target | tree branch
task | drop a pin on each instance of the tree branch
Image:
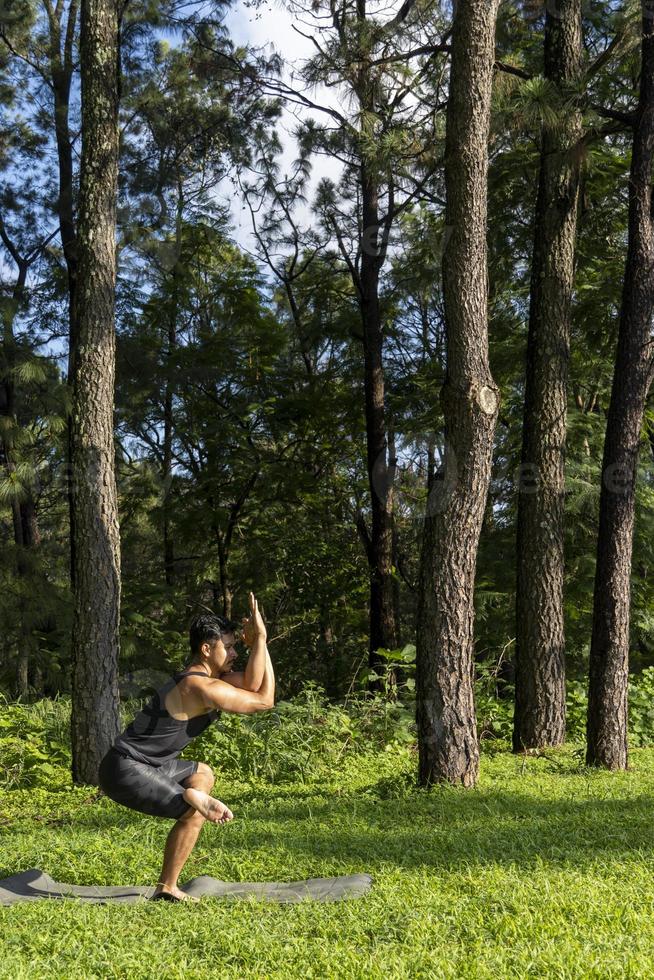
(606, 55)
(627, 118)
(512, 70)
(430, 49)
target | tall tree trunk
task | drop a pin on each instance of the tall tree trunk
(539, 718)
(372, 250)
(62, 66)
(225, 588)
(169, 394)
(447, 736)
(26, 530)
(95, 642)
(26, 544)
(380, 467)
(609, 651)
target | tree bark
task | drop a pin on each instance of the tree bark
(169, 393)
(373, 242)
(609, 651)
(447, 736)
(25, 523)
(539, 718)
(380, 468)
(62, 66)
(95, 642)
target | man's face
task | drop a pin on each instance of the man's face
(223, 653)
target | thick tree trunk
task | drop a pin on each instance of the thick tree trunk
(609, 651)
(447, 736)
(539, 718)
(95, 642)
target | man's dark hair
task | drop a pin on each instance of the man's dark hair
(207, 628)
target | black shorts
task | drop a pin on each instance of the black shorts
(155, 790)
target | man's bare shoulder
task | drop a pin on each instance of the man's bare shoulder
(236, 678)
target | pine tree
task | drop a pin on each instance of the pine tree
(447, 736)
(540, 643)
(95, 640)
(634, 371)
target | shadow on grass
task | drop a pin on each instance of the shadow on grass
(441, 829)
(498, 828)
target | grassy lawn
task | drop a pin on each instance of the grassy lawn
(545, 870)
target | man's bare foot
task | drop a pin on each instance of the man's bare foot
(175, 893)
(210, 808)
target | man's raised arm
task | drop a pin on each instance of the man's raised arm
(267, 689)
(255, 636)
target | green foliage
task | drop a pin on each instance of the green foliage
(264, 481)
(307, 738)
(641, 708)
(34, 744)
(301, 739)
(576, 710)
(494, 700)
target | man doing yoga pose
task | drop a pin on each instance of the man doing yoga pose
(142, 770)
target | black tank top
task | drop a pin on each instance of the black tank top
(154, 736)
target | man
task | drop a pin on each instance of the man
(142, 770)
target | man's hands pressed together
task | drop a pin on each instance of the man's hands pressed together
(254, 626)
(258, 674)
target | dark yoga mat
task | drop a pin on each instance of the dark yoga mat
(28, 886)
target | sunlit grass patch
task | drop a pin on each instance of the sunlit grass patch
(545, 869)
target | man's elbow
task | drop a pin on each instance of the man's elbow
(265, 704)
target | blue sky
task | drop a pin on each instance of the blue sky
(272, 27)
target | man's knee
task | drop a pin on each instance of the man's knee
(206, 772)
(203, 778)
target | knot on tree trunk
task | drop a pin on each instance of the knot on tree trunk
(487, 397)
(479, 394)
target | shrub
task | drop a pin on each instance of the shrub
(34, 744)
(304, 739)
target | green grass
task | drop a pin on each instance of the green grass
(545, 870)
